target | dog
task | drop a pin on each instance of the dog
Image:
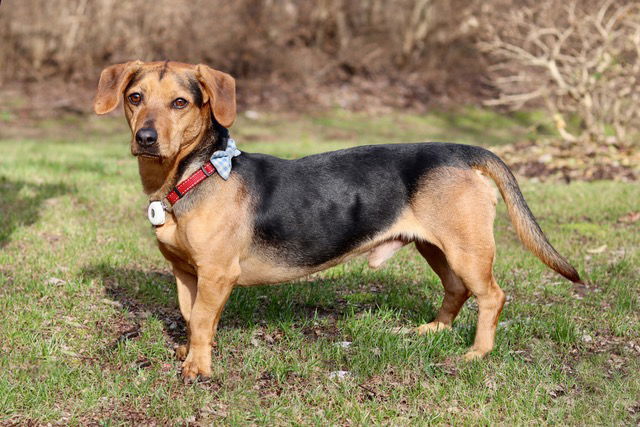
(223, 218)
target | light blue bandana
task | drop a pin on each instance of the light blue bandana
(222, 159)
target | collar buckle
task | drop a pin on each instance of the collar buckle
(204, 169)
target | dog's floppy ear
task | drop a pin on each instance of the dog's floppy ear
(113, 81)
(220, 91)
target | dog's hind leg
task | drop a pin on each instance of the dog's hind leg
(455, 293)
(470, 252)
(458, 209)
(474, 267)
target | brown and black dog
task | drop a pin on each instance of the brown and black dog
(275, 220)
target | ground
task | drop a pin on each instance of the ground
(89, 319)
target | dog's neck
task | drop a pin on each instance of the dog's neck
(160, 177)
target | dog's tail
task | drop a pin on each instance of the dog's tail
(523, 220)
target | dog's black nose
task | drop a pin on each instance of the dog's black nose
(146, 137)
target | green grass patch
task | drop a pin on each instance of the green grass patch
(89, 318)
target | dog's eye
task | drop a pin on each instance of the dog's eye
(180, 103)
(135, 98)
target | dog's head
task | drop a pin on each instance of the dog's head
(168, 105)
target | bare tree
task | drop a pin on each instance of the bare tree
(580, 57)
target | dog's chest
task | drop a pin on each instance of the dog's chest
(170, 242)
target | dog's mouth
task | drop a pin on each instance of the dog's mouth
(147, 155)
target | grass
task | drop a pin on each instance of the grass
(88, 311)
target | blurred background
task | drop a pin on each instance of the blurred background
(570, 69)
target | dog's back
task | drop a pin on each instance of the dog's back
(319, 207)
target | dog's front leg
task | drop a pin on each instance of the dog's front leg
(187, 290)
(214, 287)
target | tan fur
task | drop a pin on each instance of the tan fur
(210, 245)
(525, 225)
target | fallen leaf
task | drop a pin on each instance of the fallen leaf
(597, 250)
(490, 384)
(557, 391)
(217, 410)
(340, 375)
(143, 363)
(111, 302)
(127, 335)
(630, 217)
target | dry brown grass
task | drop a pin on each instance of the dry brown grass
(307, 44)
(578, 59)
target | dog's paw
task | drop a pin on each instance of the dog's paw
(181, 352)
(474, 355)
(432, 327)
(192, 371)
(196, 365)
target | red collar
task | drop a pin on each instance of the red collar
(188, 184)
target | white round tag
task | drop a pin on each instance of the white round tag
(155, 213)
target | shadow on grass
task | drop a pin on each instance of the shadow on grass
(153, 292)
(22, 203)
